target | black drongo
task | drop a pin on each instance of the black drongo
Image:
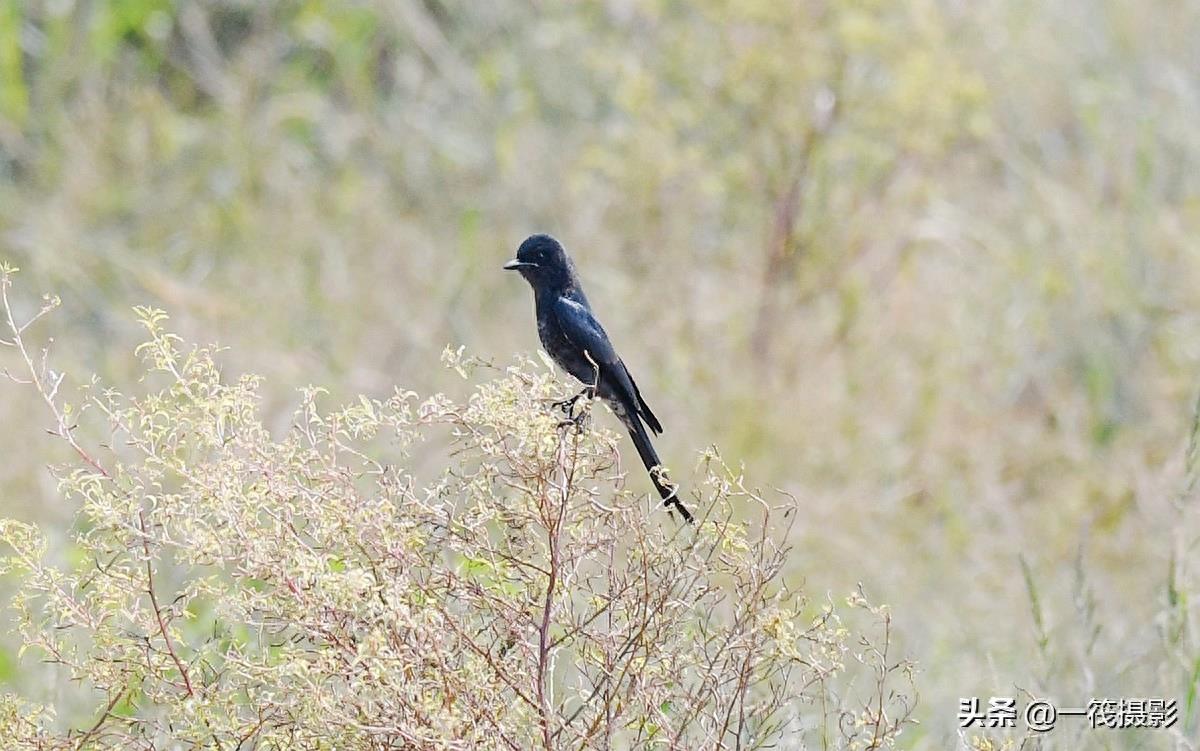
(573, 337)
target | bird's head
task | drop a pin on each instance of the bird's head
(543, 262)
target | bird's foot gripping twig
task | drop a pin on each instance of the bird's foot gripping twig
(568, 405)
(578, 421)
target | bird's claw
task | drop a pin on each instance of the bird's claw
(579, 421)
(568, 405)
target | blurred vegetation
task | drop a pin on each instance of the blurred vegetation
(930, 266)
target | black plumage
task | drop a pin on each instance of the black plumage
(575, 340)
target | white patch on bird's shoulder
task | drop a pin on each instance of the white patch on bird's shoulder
(577, 306)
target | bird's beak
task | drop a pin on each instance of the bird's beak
(515, 265)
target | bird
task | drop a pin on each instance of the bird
(575, 340)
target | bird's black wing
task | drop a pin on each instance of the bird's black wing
(580, 326)
(583, 330)
(644, 408)
(586, 334)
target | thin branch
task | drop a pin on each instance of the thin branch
(64, 430)
(554, 534)
(100, 722)
(162, 625)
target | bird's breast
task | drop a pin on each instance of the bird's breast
(564, 352)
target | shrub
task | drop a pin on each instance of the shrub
(230, 589)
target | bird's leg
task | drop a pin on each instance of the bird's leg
(577, 420)
(568, 405)
(588, 393)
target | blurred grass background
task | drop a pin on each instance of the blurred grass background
(931, 266)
